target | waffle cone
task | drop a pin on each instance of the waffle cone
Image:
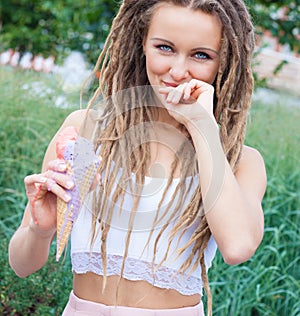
(64, 225)
(85, 185)
(65, 234)
(66, 214)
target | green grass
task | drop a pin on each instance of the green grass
(27, 123)
(268, 284)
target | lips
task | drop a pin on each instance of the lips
(170, 84)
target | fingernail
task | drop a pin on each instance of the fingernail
(70, 184)
(67, 198)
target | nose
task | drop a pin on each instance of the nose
(179, 69)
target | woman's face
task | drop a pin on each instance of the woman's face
(181, 45)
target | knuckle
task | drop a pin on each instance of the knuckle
(50, 164)
(27, 179)
(53, 163)
(49, 173)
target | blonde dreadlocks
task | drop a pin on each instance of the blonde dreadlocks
(124, 137)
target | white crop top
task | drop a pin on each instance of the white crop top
(138, 265)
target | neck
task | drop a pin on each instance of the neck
(165, 117)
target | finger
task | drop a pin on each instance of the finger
(52, 186)
(165, 90)
(193, 89)
(181, 94)
(177, 94)
(187, 92)
(172, 95)
(33, 183)
(57, 183)
(58, 165)
(34, 178)
(62, 179)
(189, 88)
(50, 183)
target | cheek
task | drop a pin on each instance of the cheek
(156, 65)
(207, 73)
(214, 73)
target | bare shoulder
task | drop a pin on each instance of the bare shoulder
(75, 117)
(251, 171)
(83, 120)
(251, 155)
(78, 117)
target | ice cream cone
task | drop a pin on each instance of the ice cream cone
(81, 161)
(64, 222)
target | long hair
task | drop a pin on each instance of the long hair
(122, 67)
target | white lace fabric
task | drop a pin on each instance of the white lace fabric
(138, 265)
(136, 269)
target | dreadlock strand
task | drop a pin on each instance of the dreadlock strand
(121, 69)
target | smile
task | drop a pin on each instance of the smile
(170, 84)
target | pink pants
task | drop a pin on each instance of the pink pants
(79, 307)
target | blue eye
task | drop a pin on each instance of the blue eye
(164, 48)
(202, 56)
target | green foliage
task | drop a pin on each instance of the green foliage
(56, 27)
(266, 285)
(25, 132)
(269, 283)
(38, 294)
(281, 18)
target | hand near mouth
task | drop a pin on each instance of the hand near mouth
(190, 101)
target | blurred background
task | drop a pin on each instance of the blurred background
(47, 51)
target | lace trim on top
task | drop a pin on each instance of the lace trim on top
(135, 269)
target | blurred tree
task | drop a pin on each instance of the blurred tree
(24, 25)
(281, 18)
(57, 27)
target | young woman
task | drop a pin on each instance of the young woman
(174, 180)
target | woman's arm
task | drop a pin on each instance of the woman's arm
(30, 244)
(232, 202)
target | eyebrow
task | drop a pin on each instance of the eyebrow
(193, 50)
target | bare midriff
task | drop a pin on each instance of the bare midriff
(139, 294)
